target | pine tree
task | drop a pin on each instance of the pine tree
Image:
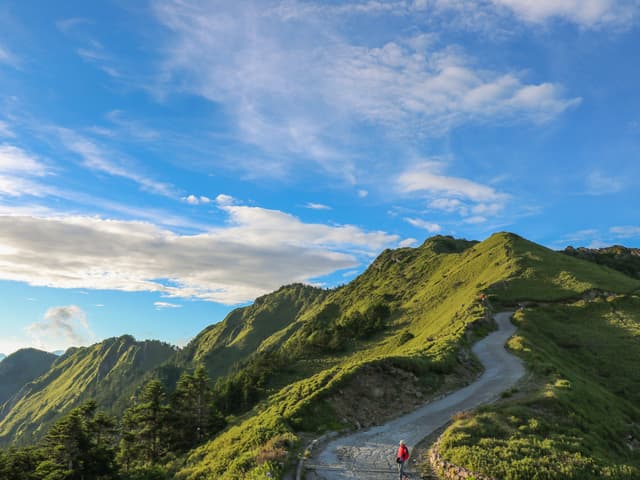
(194, 417)
(19, 464)
(144, 428)
(79, 447)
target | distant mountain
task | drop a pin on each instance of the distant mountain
(58, 352)
(20, 368)
(623, 259)
(2, 356)
(109, 372)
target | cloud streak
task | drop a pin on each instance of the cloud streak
(299, 90)
(95, 157)
(258, 251)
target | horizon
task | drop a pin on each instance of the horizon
(164, 162)
(60, 352)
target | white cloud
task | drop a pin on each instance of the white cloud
(5, 130)
(426, 178)
(19, 171)
(16, 160)
(350, 273)
(408, 242)
(61, 327)
(298, 89)
(475, 219)
(165, 305)
(317, 206)
(68, 24)
(600, 184)
(225, 200)
(628, 231)
(587, 13)
(428, 226)
(256, 252)
(448, 205)
(362, 193)
(195, 200)
(8, 58)
(96, 157)
(581, 235)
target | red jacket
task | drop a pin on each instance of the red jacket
(403, 453)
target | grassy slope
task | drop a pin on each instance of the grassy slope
(108, 372)
(579, 414)
(626, 260)
(20, 368)
(432, 292)
(222, 345)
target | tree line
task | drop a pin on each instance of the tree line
(88, 444)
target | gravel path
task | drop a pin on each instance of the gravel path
(370, 454)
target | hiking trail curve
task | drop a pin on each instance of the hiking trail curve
(370, 454)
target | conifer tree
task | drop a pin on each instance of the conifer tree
(79, 447)
(144, 428)
(194, 417)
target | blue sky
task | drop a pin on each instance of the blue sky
(162, 162)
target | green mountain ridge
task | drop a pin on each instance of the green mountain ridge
(20, 368)
(279, 363)
(109, 372)
(623, 259)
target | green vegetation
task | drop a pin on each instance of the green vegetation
(625, 260)
(88, 444)
(540, 274)
(580, 416)
(275, 367)
(20, 368)
(109, 372)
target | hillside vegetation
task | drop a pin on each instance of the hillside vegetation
(626, 260)
(108, 372)
(431, 294)
(578, 416)
(20, 368)
(280, 366)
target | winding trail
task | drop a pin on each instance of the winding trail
(370, 454)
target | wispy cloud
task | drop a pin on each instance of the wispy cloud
(8, 58)
(586, 13)
(165, 305)
(601, 184)
(628, 231)
(61, 327)
(298, 89)
(5, 130)
(65, 25)
(19, 173)
(426, 177)
(428, 226)
(256, 252)
(317, 206)
(99, 158)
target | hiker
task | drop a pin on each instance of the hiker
(401, 457)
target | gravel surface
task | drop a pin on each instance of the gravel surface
(370, 454)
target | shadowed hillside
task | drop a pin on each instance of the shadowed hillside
(109, 372)
(625, 260)
(20, 368)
